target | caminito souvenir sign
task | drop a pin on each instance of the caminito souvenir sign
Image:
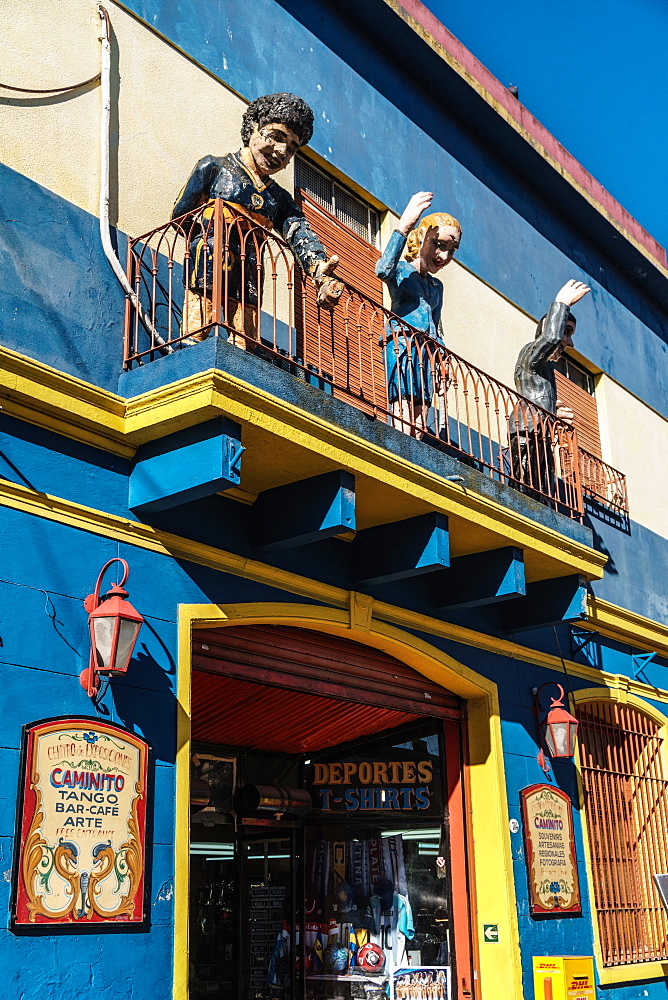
(82, 825)
(550, 851)
(359, 785)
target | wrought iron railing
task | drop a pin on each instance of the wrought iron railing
(260, 300)
(603, 484)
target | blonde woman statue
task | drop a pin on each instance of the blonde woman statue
(417, 297)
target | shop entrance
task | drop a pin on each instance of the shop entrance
(328, 857)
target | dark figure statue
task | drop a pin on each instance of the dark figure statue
(274, 127)
(531, 440)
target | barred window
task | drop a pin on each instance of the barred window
(341, 203)
(626, 805)
(576, 373)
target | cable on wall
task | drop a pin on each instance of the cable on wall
(52, 90)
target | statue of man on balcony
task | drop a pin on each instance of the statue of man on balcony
(532, 438)
(273, 129)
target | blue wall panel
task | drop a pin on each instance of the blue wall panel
(59, 300)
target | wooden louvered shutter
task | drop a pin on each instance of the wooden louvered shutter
(585, 421)
(585, 414)
(344, 345)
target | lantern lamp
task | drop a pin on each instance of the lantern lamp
(114, 626)
(558, 728)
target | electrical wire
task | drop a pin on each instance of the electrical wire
(52, 90)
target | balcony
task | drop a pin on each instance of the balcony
(260, 301)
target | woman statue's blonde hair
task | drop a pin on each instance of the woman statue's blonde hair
(416, 236)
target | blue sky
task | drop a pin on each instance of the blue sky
(594, 72)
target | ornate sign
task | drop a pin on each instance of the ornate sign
(81, 826)
(550, 851)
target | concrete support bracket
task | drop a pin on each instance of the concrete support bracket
(303, 512)
(401, 550)
(188, 465)
(481, 578)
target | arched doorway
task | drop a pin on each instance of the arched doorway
(328, 851)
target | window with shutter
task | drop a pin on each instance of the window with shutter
(342, 346)
(626, 805)
(575, 388)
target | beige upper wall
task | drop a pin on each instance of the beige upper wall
(634, 440)
(481, 325)
(170, 112)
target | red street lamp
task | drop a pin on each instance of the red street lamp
(558, 728)
(114, 626)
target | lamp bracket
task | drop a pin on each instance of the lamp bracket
(580, 639)
(640, 661)
(93, 600)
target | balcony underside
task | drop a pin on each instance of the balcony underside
(293, 433)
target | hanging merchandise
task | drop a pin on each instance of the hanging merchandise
(320, 873)
(393, 862)
(278, 972)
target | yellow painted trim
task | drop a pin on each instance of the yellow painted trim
(61, 403)
(618, 623)
(122, 529)
(41, 395)
(510, 120)
(144, 536)
(182, 807)
(500, 965)
(632, 973)
(638, 971)
(217, 391)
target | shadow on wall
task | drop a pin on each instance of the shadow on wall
(600, 546)
(152, 710)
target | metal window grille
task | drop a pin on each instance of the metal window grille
(626, 805)
(354, 212)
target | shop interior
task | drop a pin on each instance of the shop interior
(320, 871)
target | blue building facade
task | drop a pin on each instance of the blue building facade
(265, 503)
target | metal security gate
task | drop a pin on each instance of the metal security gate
(626, 804)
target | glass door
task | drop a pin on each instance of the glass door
(268, 862)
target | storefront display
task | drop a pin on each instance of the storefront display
(338, 903)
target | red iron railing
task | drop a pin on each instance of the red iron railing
(260, 301)
(603, 484)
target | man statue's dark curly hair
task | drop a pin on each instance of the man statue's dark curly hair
(288, 109)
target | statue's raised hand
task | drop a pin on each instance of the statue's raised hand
(418, 204)
(572, 292)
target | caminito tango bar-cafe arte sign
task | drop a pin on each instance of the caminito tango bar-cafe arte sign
(82, 825)
(550, 851)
